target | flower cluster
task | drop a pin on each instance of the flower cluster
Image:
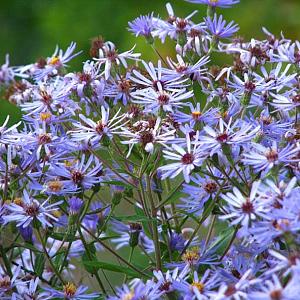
(180, 176)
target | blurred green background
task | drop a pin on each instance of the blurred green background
(30, 29)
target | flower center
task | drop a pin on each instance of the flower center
(222, 138)
(128, 296)
(163, 99)
(77, 176)
(276, 295)
(54, 60)
(100, 127)
(210, 187)
(196, 114)
(55, 186)
(45, 116)
(32, 210)
(44, 139)
(146, 137)
(248, 207)
(272, 155)
(187, 159)
(70, 289)
(191, 256)
(198, 285)
(5, 282)
(165, 286)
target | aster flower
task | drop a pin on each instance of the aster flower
(9, 285)
(93, 132)
(58, 60)
(31, 291)
(244, 210)
(198, 288)
(218, 27)
(79, 173)
(274, 289)
(7, 133)
(157, 78)
(286, 102)
(216, 3)
(147, 136)
(72, 292)
(234, 134)
(265, 158)
(156, 100)
(188, 159)
(143, 25)
(28, 209)
(195, 116)
(109, 56)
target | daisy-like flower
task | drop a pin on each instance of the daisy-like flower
(24, 211)
(218, 27)
(242, 210)
(156, 79)
(58, 60)
(187, 159)
(143, 25)
(195, 116)
(72, 292)
(182, 68)
(77, 174)
(274, 289)
(92, 132)
(147, 136)
(198, 288)
(216, 3)
(165, 281)
(286, 102)
(155, 100)
(234, 134)
(31, 292)
(263, 158)
(108, 55)
(9, 285)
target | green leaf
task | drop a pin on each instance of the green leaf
(111, 267)
(89, 255)
(219, 245)
(140, 213)
(39, 264)
(134, 218)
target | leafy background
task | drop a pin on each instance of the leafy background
(31, 29)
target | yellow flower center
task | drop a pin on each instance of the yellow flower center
(196, 114)
(191, 256)
(55, 186)
(213, 1)
(128, 296)
(44, 116)
(54, 60)
(18, 201)
(198, 285)
(70, 289)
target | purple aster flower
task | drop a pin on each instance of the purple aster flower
(187, 160)
(218, 27)
(216, 3)
(78, 174)
(265, 158)
(244, 210)
(91, 131)
(58, 60)
(142, 25)
(197, 288)
(274, 289)
(30, 209)
(109, 56)
(234, 134)
(195, 116)
(31, 291)
(147, 136)
(72, 292)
